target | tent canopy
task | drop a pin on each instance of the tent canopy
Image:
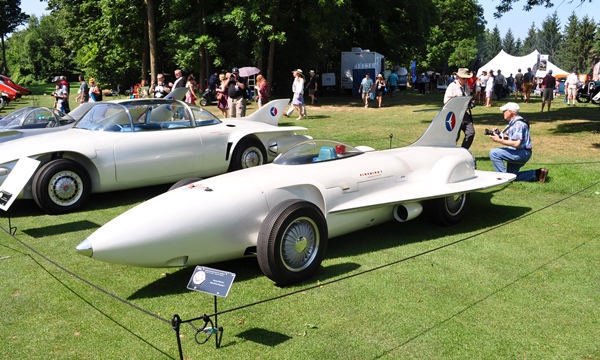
(511, 64)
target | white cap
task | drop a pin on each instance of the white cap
(514, 107)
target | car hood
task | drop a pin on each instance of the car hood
(13, 134)
(70, 140)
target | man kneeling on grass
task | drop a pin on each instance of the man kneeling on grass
(517, 152)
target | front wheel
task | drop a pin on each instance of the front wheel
(449, 210)
(248, 153)
(61, 186)
(203, 102)
(292, 242)
(582, 98)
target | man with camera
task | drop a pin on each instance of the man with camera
(459, 87)
(236, 94)
(517, 140)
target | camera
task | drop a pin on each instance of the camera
(491, 132)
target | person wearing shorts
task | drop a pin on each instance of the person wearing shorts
(571, 86)
(548, 85)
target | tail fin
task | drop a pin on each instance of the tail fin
(269, 113)
(444, 128)
(177, 93)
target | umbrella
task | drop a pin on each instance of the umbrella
(248, 71)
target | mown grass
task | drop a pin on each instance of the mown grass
(517, 278)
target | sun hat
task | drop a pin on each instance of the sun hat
(464, 73)
(299, 71)
(510, 106)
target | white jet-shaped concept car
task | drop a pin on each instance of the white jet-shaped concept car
(285, 212)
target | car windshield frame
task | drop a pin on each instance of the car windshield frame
(149, 114)
(316, 151)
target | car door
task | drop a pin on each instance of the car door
(162, 146)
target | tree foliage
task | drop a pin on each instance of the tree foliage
(11, 17)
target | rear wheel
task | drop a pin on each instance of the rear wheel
(292, 242)
(449, 210)
(582, 98)
(248, 153)
(61, 186)
(203, 102)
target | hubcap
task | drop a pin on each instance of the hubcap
(300, 244)
(251, 157)
(65, 188)
(455, 203)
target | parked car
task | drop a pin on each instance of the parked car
(131, 143)
(21, 89)
(285, 212)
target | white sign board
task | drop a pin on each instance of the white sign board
(16, 180)
(328, 79)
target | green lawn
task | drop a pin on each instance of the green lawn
(518, 278)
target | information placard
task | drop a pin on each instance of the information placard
(211, 281)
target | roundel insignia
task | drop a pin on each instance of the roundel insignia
(273, 111)
(450, 121)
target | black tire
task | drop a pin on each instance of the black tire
(203, 102)
(582, 98)
(248, 153)
(61, 186)
(183, 182)
(449, 210)
(292, 242)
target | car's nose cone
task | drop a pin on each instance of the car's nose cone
(85, 248)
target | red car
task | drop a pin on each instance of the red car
(20, 89)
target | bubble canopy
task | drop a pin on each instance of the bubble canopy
(315, 151)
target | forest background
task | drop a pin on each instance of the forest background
(120, 42)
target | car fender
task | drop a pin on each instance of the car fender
(452, 168)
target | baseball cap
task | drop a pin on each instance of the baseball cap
(511, 106)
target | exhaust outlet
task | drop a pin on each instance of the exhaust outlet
(406, 212)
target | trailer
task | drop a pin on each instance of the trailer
(363, 60)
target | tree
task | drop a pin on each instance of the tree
(494, 42)
(550, 36)
(508, 43)
(507, 5)
(531, 42)
(11, 17)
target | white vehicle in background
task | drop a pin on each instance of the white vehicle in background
(125, 144)
(285, 212)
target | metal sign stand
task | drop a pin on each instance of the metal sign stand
(210, 281)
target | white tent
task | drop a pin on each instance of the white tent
(511, 64)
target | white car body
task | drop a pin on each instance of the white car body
(171, 140)
(285, 212)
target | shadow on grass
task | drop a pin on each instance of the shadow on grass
(25, 208)
(61, 228)
(264, 337)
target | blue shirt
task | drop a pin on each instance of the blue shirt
(392, 79)
(517, 129)
(366, 84)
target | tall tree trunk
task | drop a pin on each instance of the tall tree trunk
(152, 40)
(4, 66)
(271, 56)
(203, 68)
(145, 51)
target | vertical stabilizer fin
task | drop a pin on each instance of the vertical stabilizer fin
(444, 128)
(269, 113)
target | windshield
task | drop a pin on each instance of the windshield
(313, 151)
(15, 115)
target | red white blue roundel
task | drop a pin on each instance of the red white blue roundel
(450, 121)
(273, 111)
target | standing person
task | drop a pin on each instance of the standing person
(159, 88)
(489, 89)
(516, 138)
(190, 96)
(392, 82)
(95, 92)
(459, 88)
(519, 84)
(236, 94)
(179, 80)
(548, 85)
(294, 88)
(298, 90)
(263, 90)
(67, 86)
(510, 81)
(379, 89)
(221, 91)
(482, 83)
(528, 84)
(60, 94)
(422, 83)
(312, 86)
(365, 88)
(571, 85)
(499, 83)
(84, 90)
(212, 82)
